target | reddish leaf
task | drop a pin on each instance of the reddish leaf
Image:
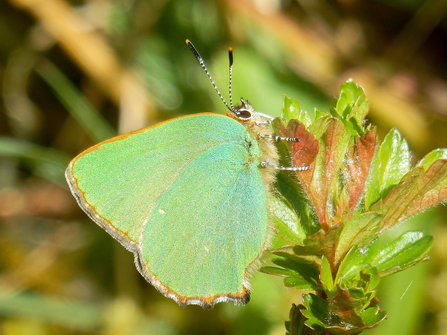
(304, 151)
(324, 243)
(324, 158)
(345, 306)
(356, 169)
(332, 150)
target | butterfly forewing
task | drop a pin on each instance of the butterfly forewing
(186, 197)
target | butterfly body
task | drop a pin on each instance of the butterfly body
(188, 197)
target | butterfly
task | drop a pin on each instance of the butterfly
(188, 197)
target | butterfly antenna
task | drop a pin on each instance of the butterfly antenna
(202, 64)
(230, 57)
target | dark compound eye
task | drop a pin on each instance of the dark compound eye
(243, 113)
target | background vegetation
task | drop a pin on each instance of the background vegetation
(74, 73)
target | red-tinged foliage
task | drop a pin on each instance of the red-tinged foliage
(355, 172)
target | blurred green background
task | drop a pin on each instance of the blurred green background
(77, 72)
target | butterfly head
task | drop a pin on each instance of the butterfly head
(242, 112)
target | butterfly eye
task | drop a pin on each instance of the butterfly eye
(243, 113)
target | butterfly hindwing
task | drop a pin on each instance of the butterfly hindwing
(214, 233)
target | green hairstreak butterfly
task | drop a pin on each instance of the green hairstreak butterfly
(188, 197)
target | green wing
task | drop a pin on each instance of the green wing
(187, 198)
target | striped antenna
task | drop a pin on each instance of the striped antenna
(230, 57)
(202, 64)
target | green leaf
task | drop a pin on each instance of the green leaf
(391, 163)
(352, 104)
(301, 252)
(350, 267)
(298, 273)
(291, 110)
(299, 282)
(291, 191)
(358, 231)
(374, 278)
(286, 221)
(320, 318)
(326, 277)
(355, 261)
(407, 250)
(417, 191)
(431, 157)
(296, 324)
(318, 114)
(372, 317)
(316, 312)
(319, 126)
(275, 271)
(76, 103)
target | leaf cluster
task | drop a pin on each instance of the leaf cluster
(332, 214)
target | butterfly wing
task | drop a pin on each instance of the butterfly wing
(187, 198)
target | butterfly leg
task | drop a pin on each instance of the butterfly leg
(258, 123)
(284, 168)
(280, 167)
(280, 138)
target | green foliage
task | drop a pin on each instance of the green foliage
(76, 104)
(333, 213)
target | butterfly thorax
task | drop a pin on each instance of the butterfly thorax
(260, 130)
